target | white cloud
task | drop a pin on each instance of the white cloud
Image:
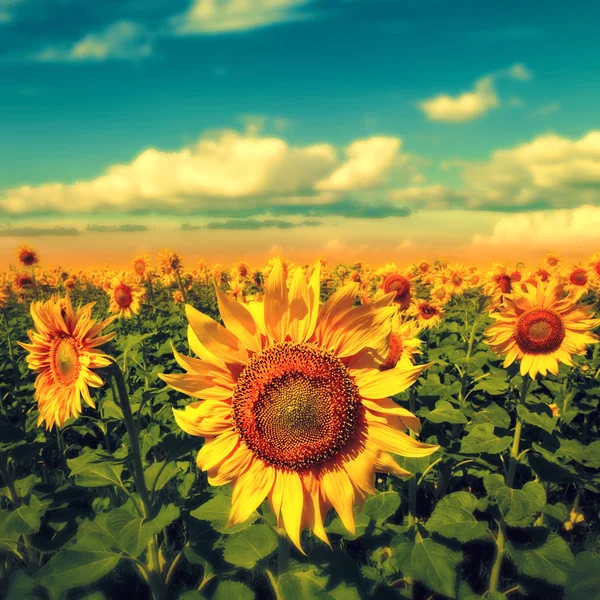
(472, 104)
(368, 163)
(220, 16)
(544, 111)
(228, 166)
(121, 40)
(432, 197)
(551, 171)
(551, 229)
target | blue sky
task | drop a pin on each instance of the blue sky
(411, 105)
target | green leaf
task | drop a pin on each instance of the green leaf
(453, 518)
(481, 439)
(494, 385)
(75, 567)
(558, 512)
(21, 587)
(540, 417)
(435, 565)
(518, 507)
(444, 412)
(246, 548)
(95, 469)
(233, 590)
(583, 581)
(166, 474)
(361, 522)
(24, 520)
(216, 512)
(493, 414)
(381, 507)
(546, 557)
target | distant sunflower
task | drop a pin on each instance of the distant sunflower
(594, 270)
(63, 353)
(428, 314)
(552, 260)
(577, 279)
(540, 328)
(295, 406)
(27, 255)
(457, 280)
(440, 295)
(401, 285)
(140, 265)
(124, 297)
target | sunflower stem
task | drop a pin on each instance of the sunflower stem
(181, 287)
(11, 353)
(154, 579)
(35, 289)
(510, 477)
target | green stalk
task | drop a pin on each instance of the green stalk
(181, 287)
(11, 354)
(510, 477)
(155, 580)
(9, 482)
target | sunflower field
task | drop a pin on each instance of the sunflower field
(299, 431)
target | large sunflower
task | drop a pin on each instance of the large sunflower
(295, 406)
(63, 353)
(541, 328)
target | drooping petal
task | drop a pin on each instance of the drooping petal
(387, 405)
(338, 489)
(292, 504)
(249, 490)
(381, 384)
(216, 450)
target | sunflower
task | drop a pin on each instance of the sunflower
(140, 265)
(27, 255)
(403, 344)
(23, 282)
(3, 297)
(294, 405)
(552, 260)
(577, 279)
(594, 270)
(440, 295)
(63, 353)
(541, 328)
(124, 297)
(401, 285)
(428, 314)
(457, 280)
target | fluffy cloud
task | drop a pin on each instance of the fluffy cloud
(568, 228)
(245, 171)
(220, 16)
(369, 161)
(473, 104)
(121, 40)
(549, 172)
(433, 197)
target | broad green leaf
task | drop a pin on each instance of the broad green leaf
(246, 548)
(547, 557)
(540, 416)
(216, 512)
(95, 469)
(381, 507)
(558, 512)
(21, 587)
(519, 507)
(453, 518)
(75, 567)
(233, 590)
(444, 412)
(24, 520)
(361, 522)
(481, 439)
(493, 414)
(435, 565)
(583, 581)
(164, 474)
(494, 385)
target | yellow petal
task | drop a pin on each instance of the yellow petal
(388, 406)
(339, 491)
(292, 505)
(313, 507)
(334, 308)
(218, 340)
(360, 470)
(232, 467)
(196, 386)
(250, 490)
(384, 463)
(382, 384)
(205, 419)
(239, 321)
(299, 315)
(217, 450)
(276, 304)
(390, 439)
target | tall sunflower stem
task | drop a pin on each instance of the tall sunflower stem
(514, 452)
(11, 353)
(510, 477)
(9, 482)
(181, 287)
(155, 581)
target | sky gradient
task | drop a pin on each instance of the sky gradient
(381, 130)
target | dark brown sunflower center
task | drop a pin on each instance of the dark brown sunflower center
(427, 311)
(578, 277)
(540, 331)
(295, 405)
(123, 295)
(28, 258)
(65, 360)
(456, 279)
(504, 283)
(516, 276)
